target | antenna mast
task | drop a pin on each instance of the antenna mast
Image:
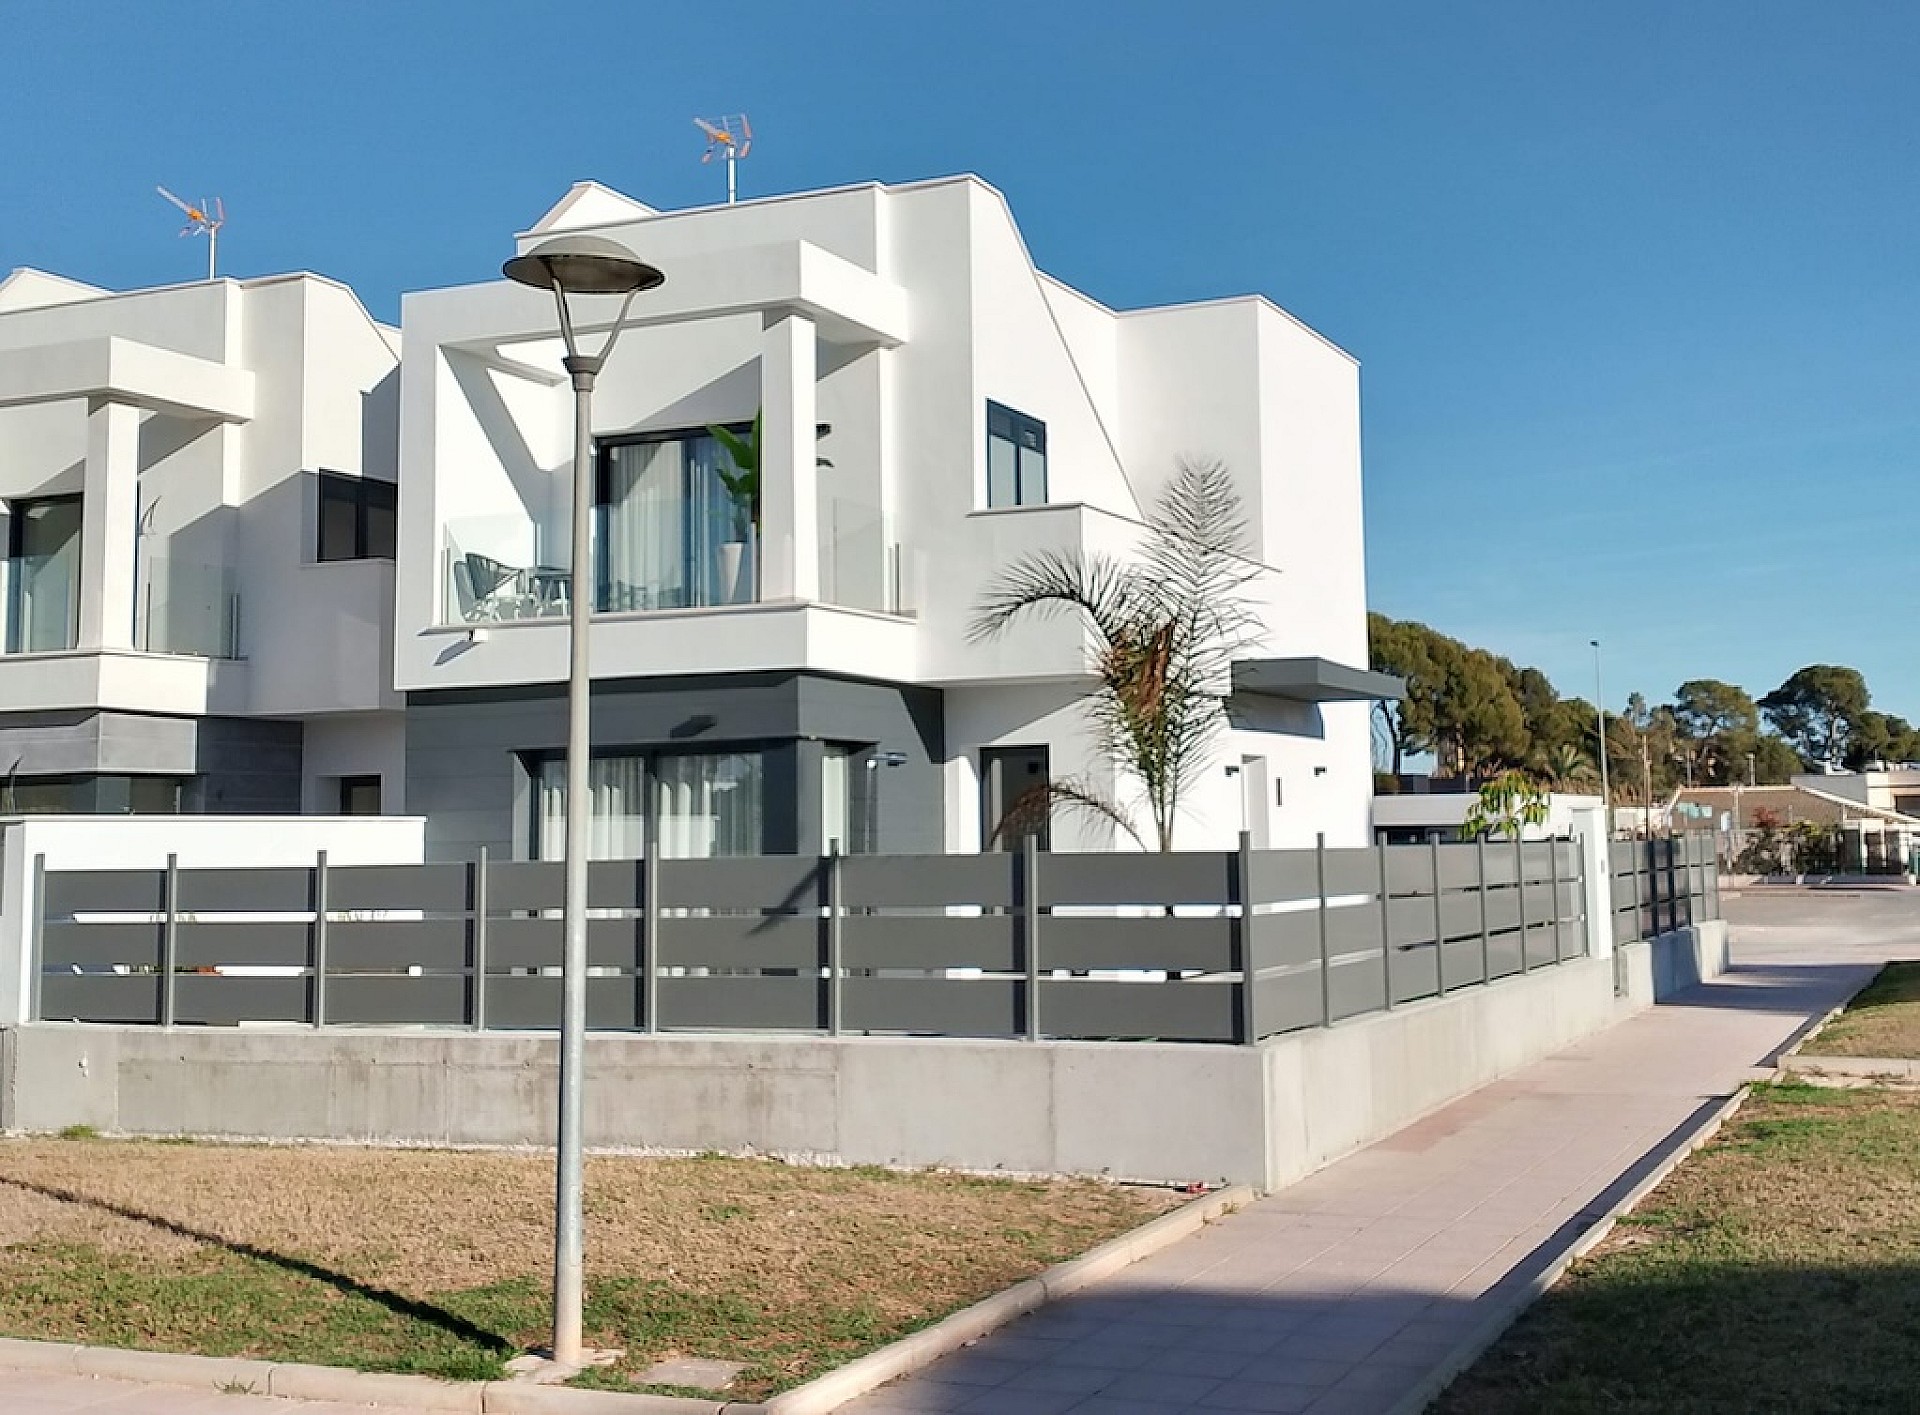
(732, 137)
(206, 219)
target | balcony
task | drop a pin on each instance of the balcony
(43, 602)
(183, 607)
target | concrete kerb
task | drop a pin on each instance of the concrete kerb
(923, 1348)
(1523, 1295)
(296, 1380)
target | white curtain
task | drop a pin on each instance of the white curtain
(708, 805)
(617, 795)
(643, 563)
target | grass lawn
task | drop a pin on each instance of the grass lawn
(1883, 1020)
(437, 1261)
(1777, 1270)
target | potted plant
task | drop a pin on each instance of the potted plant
(742, 481)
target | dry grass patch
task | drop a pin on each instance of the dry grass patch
(1778, 1269)
(437, 1260)
(1882, 1020)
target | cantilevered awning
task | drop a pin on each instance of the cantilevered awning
(1314, 680)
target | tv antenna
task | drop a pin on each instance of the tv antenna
(206, 219)
(732, 137)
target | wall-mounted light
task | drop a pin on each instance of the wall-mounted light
(477, 634)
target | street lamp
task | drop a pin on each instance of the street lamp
(577, 265)
(1600, 708)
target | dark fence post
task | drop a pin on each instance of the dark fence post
(37, 922)
(1326, 962)
(650, 939)
(477, 934)
(1486, 934)
(835, 941)
(1386, 926)
(1439, 926)
(1029, 865)
(320, 939)
(1247, 1022)
(170, 943)
(1520, 893)
(1559, 907)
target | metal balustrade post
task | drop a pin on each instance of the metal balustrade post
(650, 938)
(170, 944)
(1439, 926)
(1247, 1022)
(1486, 933)
(836, 942)
(1326, 962)
(320, 939)
(477, 900)
(1029, 865)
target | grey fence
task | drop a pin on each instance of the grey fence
(1660, 885)
(1205, 947)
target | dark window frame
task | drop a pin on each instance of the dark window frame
(350, 784)
(365, 497)
(1027, 436)
(650, 755)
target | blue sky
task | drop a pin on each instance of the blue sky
(1634, 284)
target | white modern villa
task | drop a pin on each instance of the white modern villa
(197, 501)
(211, 607)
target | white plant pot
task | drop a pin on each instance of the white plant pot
(736, 572)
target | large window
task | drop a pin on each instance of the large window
(1016, 458)
(357, 518)
(672, 536)
(43, 575)
(89, 795)
(689, 805)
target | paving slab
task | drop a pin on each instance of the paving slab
(1349, 1292)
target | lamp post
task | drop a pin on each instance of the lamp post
(577, 265)
(1600, 709)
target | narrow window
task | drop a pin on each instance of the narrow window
(1016, 458)
(359, 795)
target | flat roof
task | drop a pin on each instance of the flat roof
(1314, 680)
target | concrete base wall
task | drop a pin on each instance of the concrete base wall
(1654, 970)
(1258, 1115)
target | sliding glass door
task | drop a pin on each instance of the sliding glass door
(43, 575)
(689, 805)
(671, 535)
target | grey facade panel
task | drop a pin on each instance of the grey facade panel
(466, 750)
(239, 765)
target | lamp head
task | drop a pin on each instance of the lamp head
(583, 265)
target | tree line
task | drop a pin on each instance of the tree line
(1478, 715)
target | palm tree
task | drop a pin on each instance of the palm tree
(1165, 629)
(1566, 766)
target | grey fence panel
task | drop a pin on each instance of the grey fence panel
(742, 882)
(1461, 959)
(242, 945)
(436, 944)
(928, 881)
(128, 999)
(1539, 945)
(1411, 871)
(958, 1007)
(740, 941)
(1354, 928)
(439, 1000)
(1503, 954)
(273, 890)
(1290, 1002)
(1353, 871)
(1191, 1011)
(105, 891)
(1282, 876)
(1117, 880)
(936, 941)
(1356, 986)
(752, 1004)
(439, 889)
(1460, 867)
(215, 1000)
(1180, 944)
(1502, 867)
(1460, 915)
(1503, 908)
(1412, 972)
(1290, 938)
(524, 943)
(525, 884)
(516, 1002)
(100, 945)
(1411, 920)
(613, 884)
(1626, 926)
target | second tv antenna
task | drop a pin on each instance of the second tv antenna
(731, 137)
(206, 219)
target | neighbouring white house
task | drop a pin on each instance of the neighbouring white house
(1417, 818)
(197, 504)
(932, 407)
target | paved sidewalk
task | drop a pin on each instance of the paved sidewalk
(45, 1393)
(1342, 1294)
